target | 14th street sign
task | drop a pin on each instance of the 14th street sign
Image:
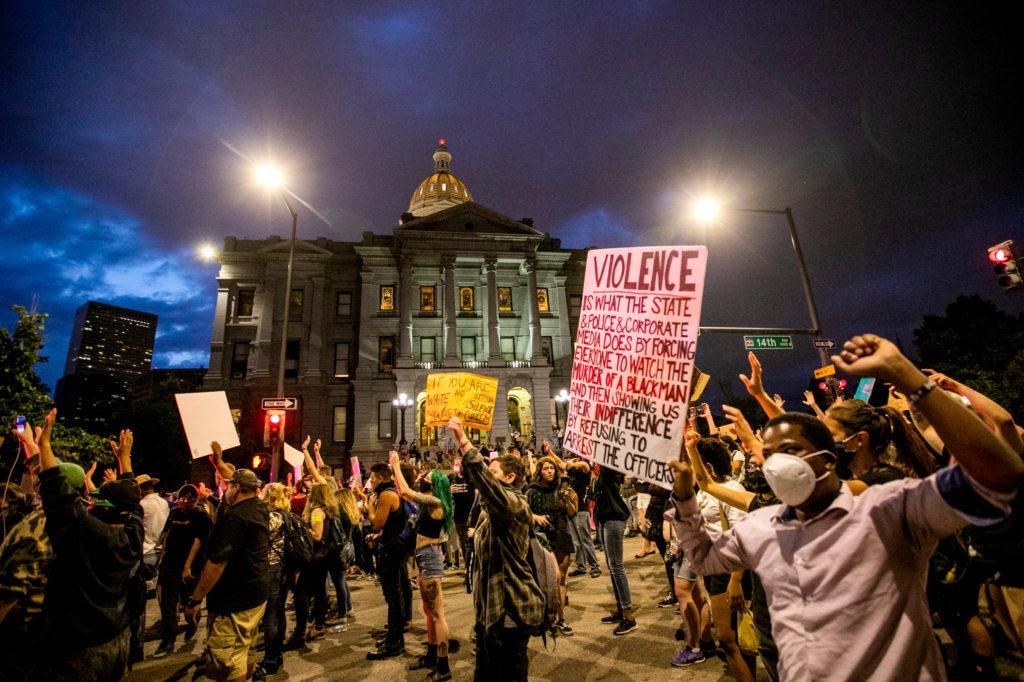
(280, 403)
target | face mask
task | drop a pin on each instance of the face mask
(791, 478)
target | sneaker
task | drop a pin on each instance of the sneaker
(296, 641)
(563, 628)
(265, 669)
(577, 571)
(380, 653)
(423, 663)
(667, 602)
(165, 649)
(612, 618)
(624, 627)
(437, 676)
(595, 573)
(687, 657)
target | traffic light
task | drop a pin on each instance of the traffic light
(273, 427)
(1006, 265)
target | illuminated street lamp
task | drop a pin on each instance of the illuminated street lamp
(561, 399)
(206, 252)
(272, 179)
(708, 210)
(402, 402)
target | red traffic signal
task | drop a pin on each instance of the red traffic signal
(1007, 266)
(275, 419)
(273, 428)
(999, 255)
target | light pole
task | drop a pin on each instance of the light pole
(402, 402)
(272, 179)
(707, 210)
(561, 399)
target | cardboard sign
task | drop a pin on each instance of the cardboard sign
(206, 418)
(633, 361)
(864, 389)
(357, 473)
(698, 383)
(293, 457)
(826, 371)
(461, 394)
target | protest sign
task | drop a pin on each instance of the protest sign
(357, 473)
(292, 456)
(633, 361)
(206, 418)
(461, 394)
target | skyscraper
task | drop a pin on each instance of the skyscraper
(110, 348)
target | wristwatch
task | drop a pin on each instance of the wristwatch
(193, 602)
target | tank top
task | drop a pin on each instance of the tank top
(428, 526)
(396, 520)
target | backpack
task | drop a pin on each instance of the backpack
(298, 543)
(544, 568)
(407, 538)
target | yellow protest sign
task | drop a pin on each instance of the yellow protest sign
(826, 371)
(461, 394)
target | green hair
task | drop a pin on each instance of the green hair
(442, 489)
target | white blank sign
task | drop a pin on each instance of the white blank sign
(206, 418)
(293, 456)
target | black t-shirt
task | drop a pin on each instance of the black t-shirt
(241, 537)
(462, 497)
(183, 527)
(579, 480)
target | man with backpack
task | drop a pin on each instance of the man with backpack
(509, 604)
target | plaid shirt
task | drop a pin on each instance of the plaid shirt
(502, 575)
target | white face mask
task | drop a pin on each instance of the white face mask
(791, 478)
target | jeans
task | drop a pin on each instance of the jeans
(274, 619)
(466, 549)
(337, 569)
(611, 538)
(311, 587)
(501, 654)
(390, 568)
(172, 593)
(585, 553)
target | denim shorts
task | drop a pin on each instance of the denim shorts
(681, 569)
(430, 561)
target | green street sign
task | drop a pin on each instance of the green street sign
(768, 342)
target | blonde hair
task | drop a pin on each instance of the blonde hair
(321, 497)
(276, 498)
(347, 504)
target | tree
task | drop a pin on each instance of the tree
(977, 344)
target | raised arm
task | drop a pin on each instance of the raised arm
(810, 402)
(493, 495)
(705, 412)
(989, 410)
(755, 387)
(745, 433)
(223, 468)
(981, 454)
(407, 493)
(123, 450)
(706, 557)
(740, 499)
(311, 466)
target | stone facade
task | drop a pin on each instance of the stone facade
(462, 288)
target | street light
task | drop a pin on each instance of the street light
(708, 210)
(272, 178)
(561, 399)
(402, 402)
(207, 252)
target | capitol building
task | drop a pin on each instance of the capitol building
(455, 286)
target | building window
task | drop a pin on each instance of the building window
(575, 303)
(342, 350)
(344, 304)
(385, 353)
(385, 420)
(340, 424)
(546, 345)
(468, 347)
(543, 304)
(466, 299)
(504, 299)
(508, 348)
(428, 299)
(239, 359)
(244, 306)
(295, 305)
(291, 359)
(387, 298)
(428, 349)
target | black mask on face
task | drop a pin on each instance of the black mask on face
(755, 480)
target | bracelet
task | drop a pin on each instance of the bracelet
(463, 444)
(921, 392)
(193, 602)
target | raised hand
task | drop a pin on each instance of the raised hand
(779, 401)
(305, 443)
(109, 475)
(394, 459)
(869, 355)
(809, 400)
(682, 486)
(943, 381)
(218, 451)
(754, 383)
(457, 431)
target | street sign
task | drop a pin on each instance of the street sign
(768, 342)
(824, 343)
(826, 371)
(280, 403)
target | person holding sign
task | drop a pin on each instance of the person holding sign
(435, 515)
(843, 603)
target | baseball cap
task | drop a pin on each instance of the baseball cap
(245, 478)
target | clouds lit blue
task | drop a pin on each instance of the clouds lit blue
(66, 248)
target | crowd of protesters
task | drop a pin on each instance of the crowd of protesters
(823, 546)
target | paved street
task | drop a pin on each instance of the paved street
(592, 653)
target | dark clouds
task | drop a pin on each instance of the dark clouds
(890, 130)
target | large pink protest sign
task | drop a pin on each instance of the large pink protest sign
(633, 360)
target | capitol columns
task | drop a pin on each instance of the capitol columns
(405, 295)
(451, 356)
(494, 358)
(537, 354)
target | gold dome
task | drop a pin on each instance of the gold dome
(441, 189)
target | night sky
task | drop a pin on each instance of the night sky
(890, 128)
